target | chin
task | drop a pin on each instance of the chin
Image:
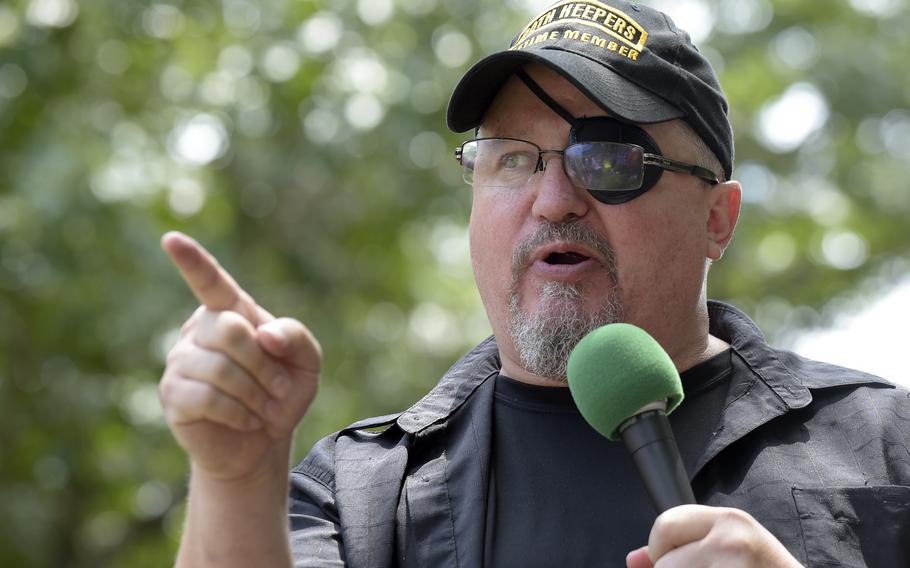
(545, 333)
(555, 298)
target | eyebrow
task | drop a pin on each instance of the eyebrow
(515, 131)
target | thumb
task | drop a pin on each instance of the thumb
(289, 340)
(638, 558)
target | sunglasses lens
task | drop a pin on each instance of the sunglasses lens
(605, 166)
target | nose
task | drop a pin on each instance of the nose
(556, 198)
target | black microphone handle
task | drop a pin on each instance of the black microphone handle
(650, 441)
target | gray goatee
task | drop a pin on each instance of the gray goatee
(545, 339)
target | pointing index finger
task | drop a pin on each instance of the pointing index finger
(210, 283)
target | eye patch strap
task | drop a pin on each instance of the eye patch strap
(543, 96)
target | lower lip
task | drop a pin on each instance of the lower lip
(549, 271)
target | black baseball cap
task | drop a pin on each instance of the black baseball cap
(629, 58)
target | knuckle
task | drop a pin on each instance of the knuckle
(234, 413)
(207, 397)
(662, 523)
(258, 365)
(176, 397)
(266, 381)
(734, 517)
(222, 366)
(191, 322)
(253, 394)
(730, 544)
(233, 328)
(221, 333)
(177, 353)
(172, 356)
(732, 534)
(245, 389)
(255, 399)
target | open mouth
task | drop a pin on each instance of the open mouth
(565, 258)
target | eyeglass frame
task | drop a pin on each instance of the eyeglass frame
(648, 159)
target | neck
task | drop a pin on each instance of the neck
(513, 369)
(688, 359)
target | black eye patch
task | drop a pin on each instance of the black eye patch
(608, 129)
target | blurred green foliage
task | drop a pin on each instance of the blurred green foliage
(304, 143)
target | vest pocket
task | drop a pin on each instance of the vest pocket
(849, 527)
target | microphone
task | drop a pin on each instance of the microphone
(624, 384)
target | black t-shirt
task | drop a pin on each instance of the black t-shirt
(561, 494)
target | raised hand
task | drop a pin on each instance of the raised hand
(238, 380)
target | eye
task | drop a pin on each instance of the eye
(515, 160)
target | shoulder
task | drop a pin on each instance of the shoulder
(850, 394)
(829, 393)
(849, 415)
(817, 375)
(847, 392)
(785, 370)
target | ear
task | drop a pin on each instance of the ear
(723, 204)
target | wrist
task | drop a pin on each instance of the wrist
(238, 521)
(270, 465)
(266, 483)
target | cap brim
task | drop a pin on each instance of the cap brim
(616, 94)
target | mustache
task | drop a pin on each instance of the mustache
(571, 232)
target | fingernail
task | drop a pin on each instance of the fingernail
(253, 422)
(280, 385)
(272, 409)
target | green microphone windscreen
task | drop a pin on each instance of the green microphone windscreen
(617, 369)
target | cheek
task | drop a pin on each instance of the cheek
(478, 238)
(490, 241)
(496, 217)
(682, 237)
(499, 219)
(659, 253)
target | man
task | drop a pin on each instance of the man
(601, 170)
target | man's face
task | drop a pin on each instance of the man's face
(551, 262)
